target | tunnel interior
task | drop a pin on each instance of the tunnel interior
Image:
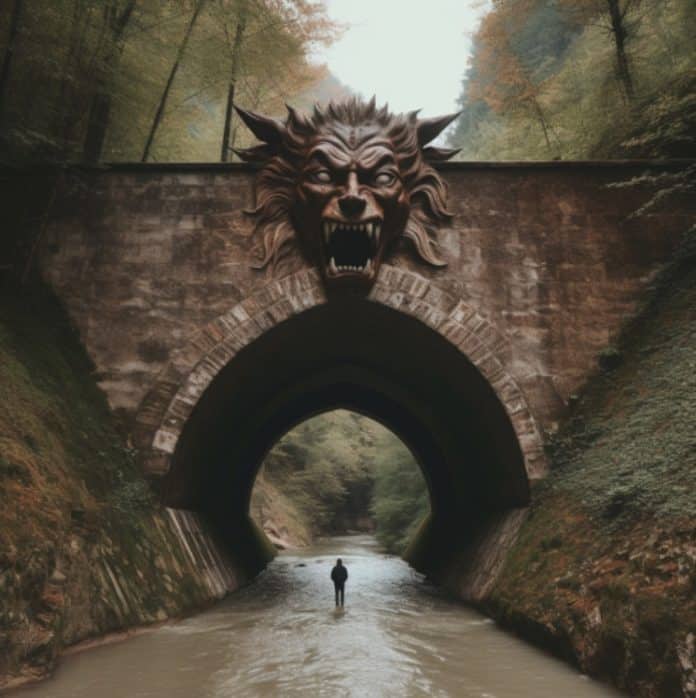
(371, 359)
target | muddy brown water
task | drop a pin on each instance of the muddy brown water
(281, 636)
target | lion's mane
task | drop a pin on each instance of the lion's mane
(285, 146)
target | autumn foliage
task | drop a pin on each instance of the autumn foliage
(95, 80)
(580, 79)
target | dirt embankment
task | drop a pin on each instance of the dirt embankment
(604, 571)
(84, 549)
(278, 516)
(286, 525)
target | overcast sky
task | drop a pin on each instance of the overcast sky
(410, 54)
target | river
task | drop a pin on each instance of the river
(281, 636)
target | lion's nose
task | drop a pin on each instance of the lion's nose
(351, 206)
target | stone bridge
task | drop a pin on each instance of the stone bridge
(472, 366)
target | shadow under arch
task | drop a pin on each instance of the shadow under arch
(369, 358)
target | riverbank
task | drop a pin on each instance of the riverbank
(84, 549)
(604, 570)
(84, 646)
(397, 636)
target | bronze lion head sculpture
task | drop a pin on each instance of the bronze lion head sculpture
(347, 182)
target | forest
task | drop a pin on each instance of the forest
(151, 81)
(341, 472)
(580, 79)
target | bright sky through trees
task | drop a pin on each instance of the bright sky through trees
(410, 54)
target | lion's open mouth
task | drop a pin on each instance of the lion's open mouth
(350, 248)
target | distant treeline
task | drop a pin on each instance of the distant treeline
(341, 471)
(92, 80)
(581, 79)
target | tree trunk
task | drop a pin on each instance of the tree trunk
(618, 28)
(170, 81)
(236, 52)
(64, 117)
(542, 122)
(100, 109)
(96, 126)
(9, 53)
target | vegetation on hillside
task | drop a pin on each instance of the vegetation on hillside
(338, 472)
(574, 79)
(93, 80)
(43, 364)
(604, 571)
(400, 499)
(84, 549)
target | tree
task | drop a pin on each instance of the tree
(116, 19)
(123, 79)
(574, 59)
(9, 53)
(69, 97)
(615, 17)
(236, 49)
(36, 79)
(400, 499)
(264, 39)
(170, 80)
(502, 80)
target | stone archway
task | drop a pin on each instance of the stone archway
(169, 404)
(182, 423)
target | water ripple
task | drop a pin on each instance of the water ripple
(398, 636)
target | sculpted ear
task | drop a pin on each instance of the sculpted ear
(265, 128)
(428, 129)
(432, 154)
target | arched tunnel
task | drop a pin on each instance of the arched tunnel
(363, 356)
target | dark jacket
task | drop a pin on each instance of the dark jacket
(339, 574)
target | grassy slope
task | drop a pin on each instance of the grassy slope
(83, 550)
(604, 570)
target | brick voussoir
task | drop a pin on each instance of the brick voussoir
(219, 341)
(239, 313)
(413, 284)
(165, 440)
(440, 299)
(462, 312)
(452, 331)
(281, 310)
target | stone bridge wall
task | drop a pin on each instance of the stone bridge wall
(148, 259)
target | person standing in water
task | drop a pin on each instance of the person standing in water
(339, 574)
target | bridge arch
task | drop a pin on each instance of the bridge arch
(420, 361)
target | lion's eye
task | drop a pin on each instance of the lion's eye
(322, 176)
(385, 179)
